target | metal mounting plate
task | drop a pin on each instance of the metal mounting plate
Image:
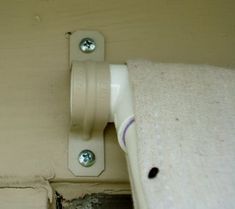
(77, 143)
(77, 55)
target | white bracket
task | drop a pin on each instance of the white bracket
(90, 101)
(100, 93)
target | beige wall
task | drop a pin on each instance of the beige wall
(34, 73)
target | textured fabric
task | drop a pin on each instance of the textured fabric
(185, 117)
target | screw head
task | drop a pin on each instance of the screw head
(87, 45)
(86, 158)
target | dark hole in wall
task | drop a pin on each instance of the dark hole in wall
(153, 172)
(96, 201)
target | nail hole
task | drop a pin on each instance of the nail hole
(67, 35)
(153, 172)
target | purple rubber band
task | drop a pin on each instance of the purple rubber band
(125, 130)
